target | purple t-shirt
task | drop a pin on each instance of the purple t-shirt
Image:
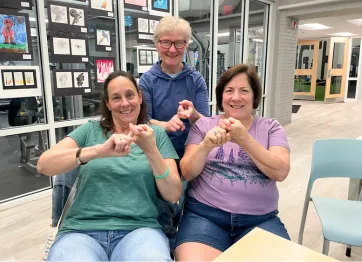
(230, 180)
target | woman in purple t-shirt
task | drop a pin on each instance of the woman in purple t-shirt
(233, 161)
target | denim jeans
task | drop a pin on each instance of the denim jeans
(220, 229)
(144, 244)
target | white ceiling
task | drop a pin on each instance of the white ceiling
(338, 24)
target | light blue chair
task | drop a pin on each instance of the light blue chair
(341, 219)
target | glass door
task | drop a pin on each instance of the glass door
(353, 70)
(306, 70)
(337, 69)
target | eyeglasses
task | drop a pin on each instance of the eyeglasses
(167, 44)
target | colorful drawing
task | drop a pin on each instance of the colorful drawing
(59, 14)
(29, 78)
(81, 79)
(8, 79)
(104, 68)
(13, 37)
(18, 77)
(76, 16)
(105, 5)
(142, 3)
(64, 79)
(61, 46)
(103, 37)
(78, 47)
(160, 4)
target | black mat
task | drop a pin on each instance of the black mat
(295, 108)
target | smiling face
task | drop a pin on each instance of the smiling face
(237, 98)
(171, 57)
(124, 101)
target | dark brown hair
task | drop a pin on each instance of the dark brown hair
(253, 80)
(106, 115)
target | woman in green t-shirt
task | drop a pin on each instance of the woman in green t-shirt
(123, 163)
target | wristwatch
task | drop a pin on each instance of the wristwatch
(77, 157)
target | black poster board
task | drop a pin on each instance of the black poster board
(16, 4)
(69, 49)
(71, 82)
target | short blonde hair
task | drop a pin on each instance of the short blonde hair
(171, 24)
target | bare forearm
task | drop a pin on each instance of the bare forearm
(55, 162)
(158, 123)
(194, 117)
(267, 162)
(193, 163)
(170, 186)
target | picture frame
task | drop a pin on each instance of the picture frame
(17, 4)
(66, 17)
(103, 40)
(103, 66)
(17, 44)
(145, 28)
(19, 81)
(71, 82)
(101, 8)
(69, 49)
(160, 7)
(136, 4)
(146, 58)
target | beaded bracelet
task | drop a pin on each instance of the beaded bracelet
(164, 175)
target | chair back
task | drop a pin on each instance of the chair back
(336, 158)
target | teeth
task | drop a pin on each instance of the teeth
(126, 112)
(237, 107)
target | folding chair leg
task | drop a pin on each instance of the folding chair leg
(348, 250)
(325, 247)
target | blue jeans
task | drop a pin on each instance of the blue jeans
(144, 244)
(219, 229)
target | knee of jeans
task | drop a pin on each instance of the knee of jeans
(152, 255)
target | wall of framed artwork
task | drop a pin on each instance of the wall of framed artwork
(19, 81)
(145, 28)
(15, 43)
(67, 17)
(69, 50)
(71, 82)
(103, 41)
(101, 7)
(16, 4)
(103, 67)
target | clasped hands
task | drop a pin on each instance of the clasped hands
(120, 144)
(227, 130)
(185, 110)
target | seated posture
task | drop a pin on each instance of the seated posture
(123, 163)
(233, 161)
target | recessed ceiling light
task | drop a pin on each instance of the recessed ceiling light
(342, 34)
(355, 21)
(313, 26)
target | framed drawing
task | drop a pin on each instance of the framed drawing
(146, 57)
(136, 4)
(15, 41)
(103, 67)
(160, 7)
(19, 81)
(103, 40)
(16, 4)
(71, 82)
(68, 50)
(68, 17)
(146, 27)
(101, 7)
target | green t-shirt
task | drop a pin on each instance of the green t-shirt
(115, 193)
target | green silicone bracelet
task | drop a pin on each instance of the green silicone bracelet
(164, 175)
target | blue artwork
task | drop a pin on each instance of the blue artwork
(128, 22)
(161, 4)
(13, 37)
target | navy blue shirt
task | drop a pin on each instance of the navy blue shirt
(163, 93)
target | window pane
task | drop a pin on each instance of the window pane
(82, 52)
(304, 57)
(62, 132)
(338, 56)
(18, 159)
(302, 83)
(353, 69)
(352, 85)
(336, 85)
(23, 89)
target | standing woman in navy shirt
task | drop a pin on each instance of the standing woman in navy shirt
(175, 93)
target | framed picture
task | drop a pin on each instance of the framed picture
(19, 81)
(68, 17)
(101, 7)
(16, 4)
(103, 67)
(15, 41)
(136, 4)
(68, 50)
(103, 40)
(146, 27)
(130, 23)
(146, 57)
(160, 7)
(71, 82)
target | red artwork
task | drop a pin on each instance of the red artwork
(104, 68)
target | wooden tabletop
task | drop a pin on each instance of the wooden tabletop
(260, 245)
